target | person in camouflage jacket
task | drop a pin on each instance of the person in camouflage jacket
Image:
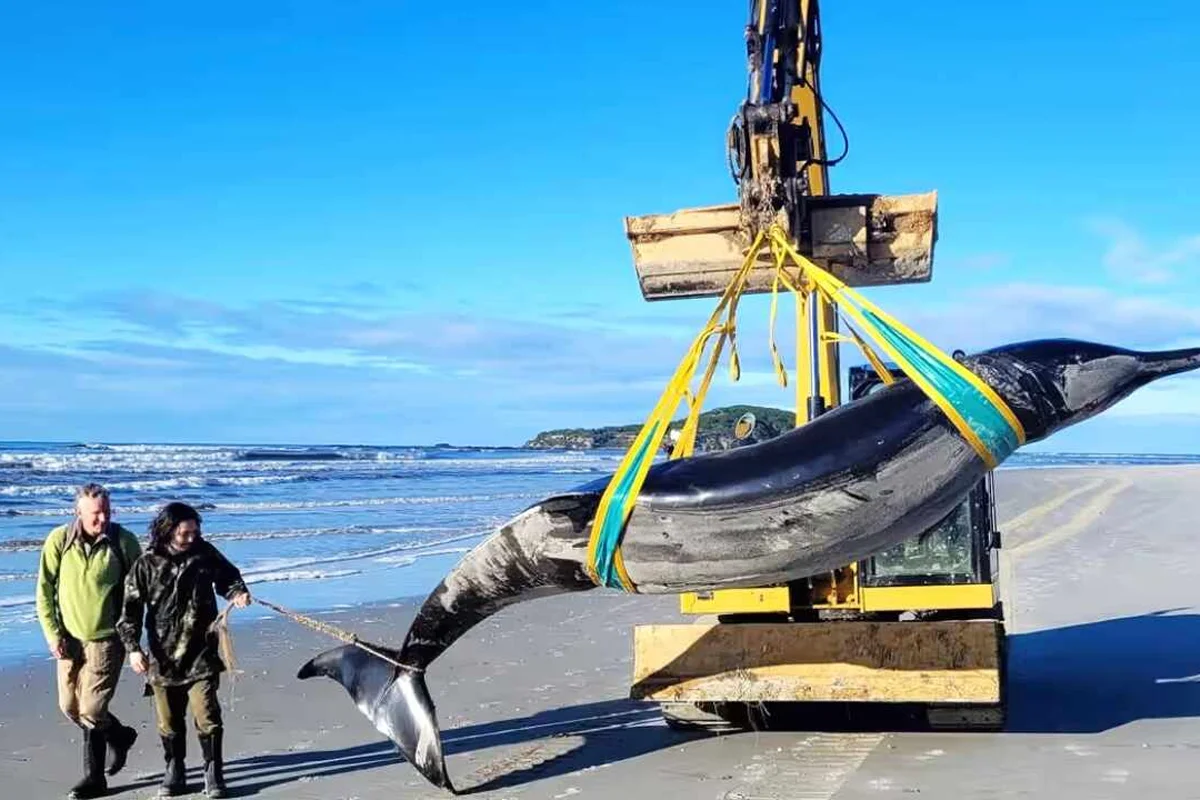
(171, 592)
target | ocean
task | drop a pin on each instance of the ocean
(311, 528)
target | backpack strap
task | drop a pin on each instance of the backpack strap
(69, 538)
(112, 534)
(114, 541)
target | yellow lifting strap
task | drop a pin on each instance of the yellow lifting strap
(977, 412)
(975, 409)
(604, 562)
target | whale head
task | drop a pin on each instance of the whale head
(1051, 384)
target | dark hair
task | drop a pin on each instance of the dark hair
(163, 526)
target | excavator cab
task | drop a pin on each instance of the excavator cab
(962, 550)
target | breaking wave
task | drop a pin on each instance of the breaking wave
(300, 575)
(159, 485)
(290, 505)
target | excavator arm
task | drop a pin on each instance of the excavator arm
(776, 142)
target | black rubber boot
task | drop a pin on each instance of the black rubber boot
(214, 765)
(94, 784)
(174, 780)
(120, 740)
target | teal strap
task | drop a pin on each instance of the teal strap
(988, 423)
(609, 537)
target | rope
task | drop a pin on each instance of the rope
(336, 633)
(220, 626)
(225, 639)
(975, 409)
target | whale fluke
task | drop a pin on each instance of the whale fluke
(395, 700)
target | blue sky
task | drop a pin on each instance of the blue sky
(376, 222)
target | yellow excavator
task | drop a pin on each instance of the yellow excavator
(920, 626)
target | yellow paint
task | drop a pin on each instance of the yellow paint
(804, 306)
(841, 590)
(773, 599)
(805, 96)
(830, 366)
(808, 108)
(928, 598)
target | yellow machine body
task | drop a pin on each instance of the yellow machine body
(860, 633)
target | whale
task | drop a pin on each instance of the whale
(851, 483)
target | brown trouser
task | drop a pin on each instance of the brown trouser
(171, 704)
(87, 680)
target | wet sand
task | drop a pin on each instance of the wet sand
(1102, 589)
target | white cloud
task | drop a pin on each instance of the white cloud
(1129, 255)
(375, 367)
(1010, 312)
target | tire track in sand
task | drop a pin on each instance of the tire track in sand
(1023, 520)
(1082, 519)
(1106, 492)
(815, 768)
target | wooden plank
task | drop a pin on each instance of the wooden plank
(926, 662)
(865, 240)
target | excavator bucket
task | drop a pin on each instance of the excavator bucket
(864, 240)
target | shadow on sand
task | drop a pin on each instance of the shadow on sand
(1077, 679)
(611, 730)
(1101, 675)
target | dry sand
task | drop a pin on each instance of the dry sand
(1105, 689)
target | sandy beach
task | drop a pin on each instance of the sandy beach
(1101, 587)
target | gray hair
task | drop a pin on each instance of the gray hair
(91, 490)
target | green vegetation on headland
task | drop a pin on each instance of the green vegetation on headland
(715, 431)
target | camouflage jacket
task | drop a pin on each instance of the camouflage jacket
(175, 597)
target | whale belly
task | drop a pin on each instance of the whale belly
(805, 529)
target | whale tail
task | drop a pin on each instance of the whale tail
(396, 700)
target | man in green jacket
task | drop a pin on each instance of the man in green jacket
(79, 597)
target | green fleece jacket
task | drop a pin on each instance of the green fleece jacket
(79, 590)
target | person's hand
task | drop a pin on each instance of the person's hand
(58, 649)
(138, 662)
(241, 599)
